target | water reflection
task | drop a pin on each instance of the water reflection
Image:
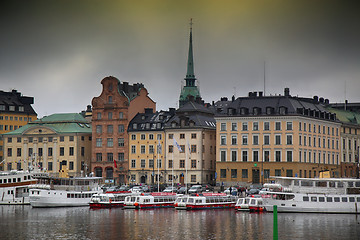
(24, 222)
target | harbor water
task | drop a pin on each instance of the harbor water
(24, 222)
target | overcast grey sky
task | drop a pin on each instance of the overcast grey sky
(59, 51)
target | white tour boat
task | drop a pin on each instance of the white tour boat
(151, 200)
(242, 204)
(109, 200)
(64, 192)
(316, 195)
(14, 187)
(210, 201)
(180, 202)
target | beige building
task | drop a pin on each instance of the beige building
(193, 130)
(59, 142)
(260, 136)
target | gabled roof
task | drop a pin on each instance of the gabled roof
(60, 123)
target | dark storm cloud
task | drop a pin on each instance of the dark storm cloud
(58, 51)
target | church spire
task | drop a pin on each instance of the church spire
(190, 76)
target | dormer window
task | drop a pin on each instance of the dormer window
(269, 110)
(173, 124)
(191, 124)
(244, 111)
(11, 108)
(21, 108)
(257, 110)
(283, 110)
(158, 125)
(134, 125)
(110, 99)
(147, 125)
(110, 87)
(2, 107)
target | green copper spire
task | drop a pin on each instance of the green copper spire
(190, 90)
(190, 76)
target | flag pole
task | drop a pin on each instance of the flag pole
(157, 160)
(172, 178)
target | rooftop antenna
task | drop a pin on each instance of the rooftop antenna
(264, 76)
(345, 96)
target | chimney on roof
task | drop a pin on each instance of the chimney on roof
(327, 101)
(254, 94)
(233, 98)
(287, 92)
(345, 105)
(250, 94)
(316, 99)
(321, 100)
(224, 99)
(260, 94)
(125, 87)
(172, 111)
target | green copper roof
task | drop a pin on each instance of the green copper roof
(346, 116)
(60, 123)
(190, 64)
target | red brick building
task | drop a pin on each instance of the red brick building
(117, 104)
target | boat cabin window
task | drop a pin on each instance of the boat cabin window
(331, 184)
(350, 184)
(314, 199)
(305, 199)
(336, 199)
(329, 199)
(340, 184)
(344, 199)
(321, 184)
(296, 183)
(19, 179)
(321, 199)
(253, 202)
(198, 201)
(191, 200)
(306, 183)
(357, 184)
(351, 199)
(358, 199)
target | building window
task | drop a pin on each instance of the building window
(222, 155)
(278, 126)
(142, 136)
(255, 139)
(50, 166)
(171, 136)
(142, 149)
(244, 126)
(151, 149)
(244, 139)
(289, 172)
(278, 172)
(233, 155)
(222, 140)
(61, 151)
(233, 126)
(71, 151)
(223, 127)
(50, 151)
(278, 140)
(244, 173)
(71, 165)
(182, 136)
(110, 114)
(121, 157)
(171, 148)
(233, 139)
(121, 142)
(244, 156)
(170, 164)
(133, 163)
(98, 142)
(151, 136)
(193, 178)
(193, 163)
(133, 149)
(266, 156)
(98, 115)
(266, 126)
(182, 163)
(121, 128)
(278, 156)
(18, 152)
(266, 139)
(255, 126)
(133, 137)
(151, 163)
(193, 135)
(289, 156)
(110, 129)
(289, 139)
(193, 148)
(142, 163)
(61, 139)
(255, 156)
(222, 173)
(233, 173)
(289, 126)
(110, 142)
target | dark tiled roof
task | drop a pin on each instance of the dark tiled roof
(14, 98)
(149, 121)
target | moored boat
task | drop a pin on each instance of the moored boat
(210, 201)
(109, 200)
(316, 195)
(242, 204)
(63, 192)
(14, 187)
(256, 204)
(151, 200)
(180, 202)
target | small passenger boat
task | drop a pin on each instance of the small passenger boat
(109, 200)
(150, 200)
(256, 204)
(210, 201)
(180, 202)
(242, 204)
(14, 187)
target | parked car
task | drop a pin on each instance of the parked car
(124, 188)
(181, 190)
(195, 189)
(256, 185)
(136, 189)
(170, 189)
(146, 188)
(113, 189)
(253, 191)
(233, 191)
